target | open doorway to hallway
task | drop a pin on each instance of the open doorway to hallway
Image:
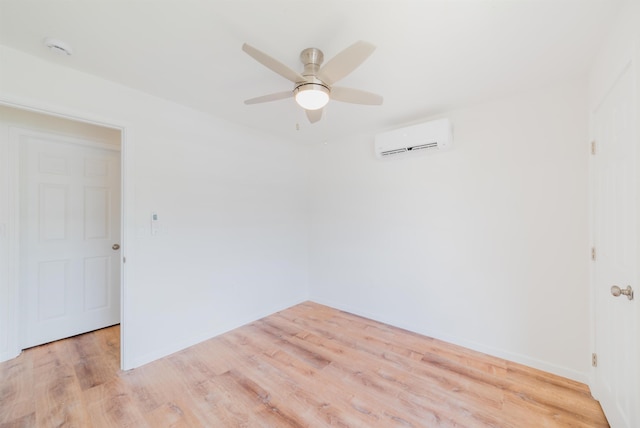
(60, 221)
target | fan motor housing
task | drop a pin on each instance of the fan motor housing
(311, 56)
(312, 59)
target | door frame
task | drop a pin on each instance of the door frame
(627, 62)
(15, 326)
(16, 133)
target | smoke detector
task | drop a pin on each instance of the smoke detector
(58, 46)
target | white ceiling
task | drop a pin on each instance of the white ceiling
(431, 56)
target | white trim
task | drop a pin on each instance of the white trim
(203, 335)
(630, 64)
(57, 111)
(592, 244)
(13, 226)
(13, 238)
(125, 150)
(15, 294)
(489, 350)
(19, 131)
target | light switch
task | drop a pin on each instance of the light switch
(155, 223)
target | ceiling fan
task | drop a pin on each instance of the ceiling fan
(313, 88)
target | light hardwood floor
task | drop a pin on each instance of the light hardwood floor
(307, 366)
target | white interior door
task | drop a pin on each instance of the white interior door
(69, 227)
(616, 382)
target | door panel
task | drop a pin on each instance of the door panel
(96, 213)
(53, 285)
(53, 212)
(615, 236)
(96, 282)
(70, 218)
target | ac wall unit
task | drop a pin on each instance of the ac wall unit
(432, 136)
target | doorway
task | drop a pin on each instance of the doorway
(63, 258)
(615, 232)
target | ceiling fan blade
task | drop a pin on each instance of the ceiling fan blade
(270, 97)
(355, 96)
(345, 62)
(314, 115)
(273, 64)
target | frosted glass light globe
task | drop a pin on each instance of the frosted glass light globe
(312, 96)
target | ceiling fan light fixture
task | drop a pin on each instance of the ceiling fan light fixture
(311, 96)
(312, 88)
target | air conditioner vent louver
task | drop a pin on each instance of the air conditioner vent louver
(393, 152)
(405, 141)
(433, 145)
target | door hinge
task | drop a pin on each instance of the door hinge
(124, 260)
(594, 360)
(593, 253)
(593, 147)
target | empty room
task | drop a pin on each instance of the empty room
(287, 213)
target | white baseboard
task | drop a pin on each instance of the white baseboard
(489, 350)
(201, 336)
(9, 355)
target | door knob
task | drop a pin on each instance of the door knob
(115, 247)
(617, 291)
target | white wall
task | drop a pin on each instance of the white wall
(232, 204)
(485, 246)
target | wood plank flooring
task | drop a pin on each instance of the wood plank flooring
(307, 366)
